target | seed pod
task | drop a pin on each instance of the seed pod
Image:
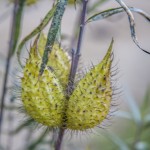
(59, 60)
(90, 102)
(42, 97)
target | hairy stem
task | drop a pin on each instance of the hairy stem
(15, 31)
(74, 65)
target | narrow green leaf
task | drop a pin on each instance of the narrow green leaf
(60, 9)
(117, 140)
(58, 36)
(146, 121)
(146, 103)
(113, 11)
(38, 29)
(17, 24)
(22, 126)
(136, 114)
(34, 145)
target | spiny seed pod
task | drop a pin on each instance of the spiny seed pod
(90, 102)
(45, 100)
(42, 97)
(59, 60)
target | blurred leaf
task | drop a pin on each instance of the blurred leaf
(33, 145)
(96, 5)
(117, 140)
(146, 103)
(58, 36)
(123, 114)
(17, 24)
(136, 114)
(142, 146)
(22, 126)
(147, 121)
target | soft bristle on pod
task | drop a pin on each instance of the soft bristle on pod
(90, 102)
(44, 98)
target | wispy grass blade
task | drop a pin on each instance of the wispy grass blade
(34, 145)
(22, 126)
(117, 141)
(38, 29)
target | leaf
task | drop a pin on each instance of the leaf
(33, 145)
(59, 61)
(136, 114)
(90, 102)
(22, 126)
(96, 5)
(117, 140)
(17, 24)
(113, 11)
(132, 24)
(38, 29)
(146, 103)
(146, 121)
(123, 114)
(52, 34)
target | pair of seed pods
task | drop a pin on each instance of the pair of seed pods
(45, 99)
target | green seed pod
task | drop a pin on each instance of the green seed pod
(59, 60)
(42, 97)
(90, 102)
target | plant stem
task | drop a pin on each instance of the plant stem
(74, 65)
(59, 139)
(15, 31)
(76, 56)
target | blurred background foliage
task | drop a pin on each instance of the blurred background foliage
(129, 130)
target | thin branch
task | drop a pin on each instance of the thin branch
(74, 65)
(13, 41)
(76, 56)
